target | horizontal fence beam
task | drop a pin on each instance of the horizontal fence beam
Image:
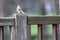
(44, 19)
(6, 21)
(32, 20)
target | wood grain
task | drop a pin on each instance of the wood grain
(54, 28)
(1, 33)
(43, 19)
(21, 26)
(39, 31)
(12, 33)
(6, 21)
(29, 32)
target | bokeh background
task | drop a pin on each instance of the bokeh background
(31, 8)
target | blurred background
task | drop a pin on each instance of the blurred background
(31, 8)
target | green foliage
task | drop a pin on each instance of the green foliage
(34, 32)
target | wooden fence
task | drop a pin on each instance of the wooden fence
(20, 26)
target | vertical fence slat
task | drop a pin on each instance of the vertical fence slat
(12, 30)
(12, 33)
(54, 28)
(39, 31)
(1, 33)
(21, 26)
(29, 32)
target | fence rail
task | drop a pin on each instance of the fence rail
(20, 26)
(40, 20)
(6, 21)
(44, 19)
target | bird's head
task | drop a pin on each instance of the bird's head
(18, 9)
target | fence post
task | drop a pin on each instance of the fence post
(21, 27)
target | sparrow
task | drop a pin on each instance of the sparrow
(19, 10)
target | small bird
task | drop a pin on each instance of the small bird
(19, 10)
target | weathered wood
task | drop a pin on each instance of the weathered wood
(21, 26)
(58, 32)
(54, 28)
(6, 21)
(1, 33)
(12, 33)
(43, 19)
(29, 32)
(22, 30)
(39, 31)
